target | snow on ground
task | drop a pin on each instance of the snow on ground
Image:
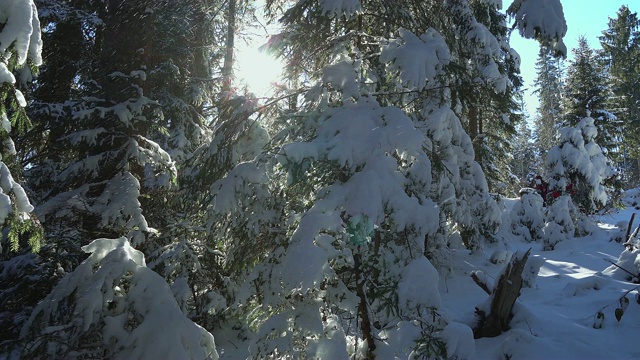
(555, 318)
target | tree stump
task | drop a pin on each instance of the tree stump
(503, 297)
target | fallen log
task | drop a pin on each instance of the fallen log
(503, 297)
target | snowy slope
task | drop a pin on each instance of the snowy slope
(555, 318)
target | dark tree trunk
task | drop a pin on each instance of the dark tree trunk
(504, 296)
(473, 122)
(227, 69)
(363, 307)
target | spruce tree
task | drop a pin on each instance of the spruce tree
(312, 227)
(524, 160)
(329, 155)
(20, 55)
(585, 94)
(498, 111)
(548, 86)
(620, 52)
(123, 98)
(579, 168)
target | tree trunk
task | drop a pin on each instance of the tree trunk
(504, 296)
(363, 307)
(473, 122)
(227, 69)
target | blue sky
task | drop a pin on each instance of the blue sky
(584, 17)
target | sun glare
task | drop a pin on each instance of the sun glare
(258, 70)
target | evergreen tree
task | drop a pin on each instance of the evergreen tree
(578, 172)
(498, 111)
(548, 85)
(113, 124)
(560, 221)
(524, 161)
(585, 94)
(620, 52)
(311, 227)
(329, 155)
(527, 220)
(117, 307)
(20, 55)
(93, 157)
(578, 167)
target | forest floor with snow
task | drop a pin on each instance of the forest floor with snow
(556, 318)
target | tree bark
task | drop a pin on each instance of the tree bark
(227, 69)
(473, 122)
(363, 308)
(504, 296)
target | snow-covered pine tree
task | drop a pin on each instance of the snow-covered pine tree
(480, 70)
(109, 157)
(173, 70)
(20, 55)
(118, 308)
(366, 224)
(102, 138)
(209, 252)
(488, 84)
(578, 167)
(620, 53)
(361, 179)
(360, 205)
(560, 222)
(525, 160)
(548, 85)
(527, 218)
(585, 93)
(459, 187)
(178, 66)
(221, 235)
